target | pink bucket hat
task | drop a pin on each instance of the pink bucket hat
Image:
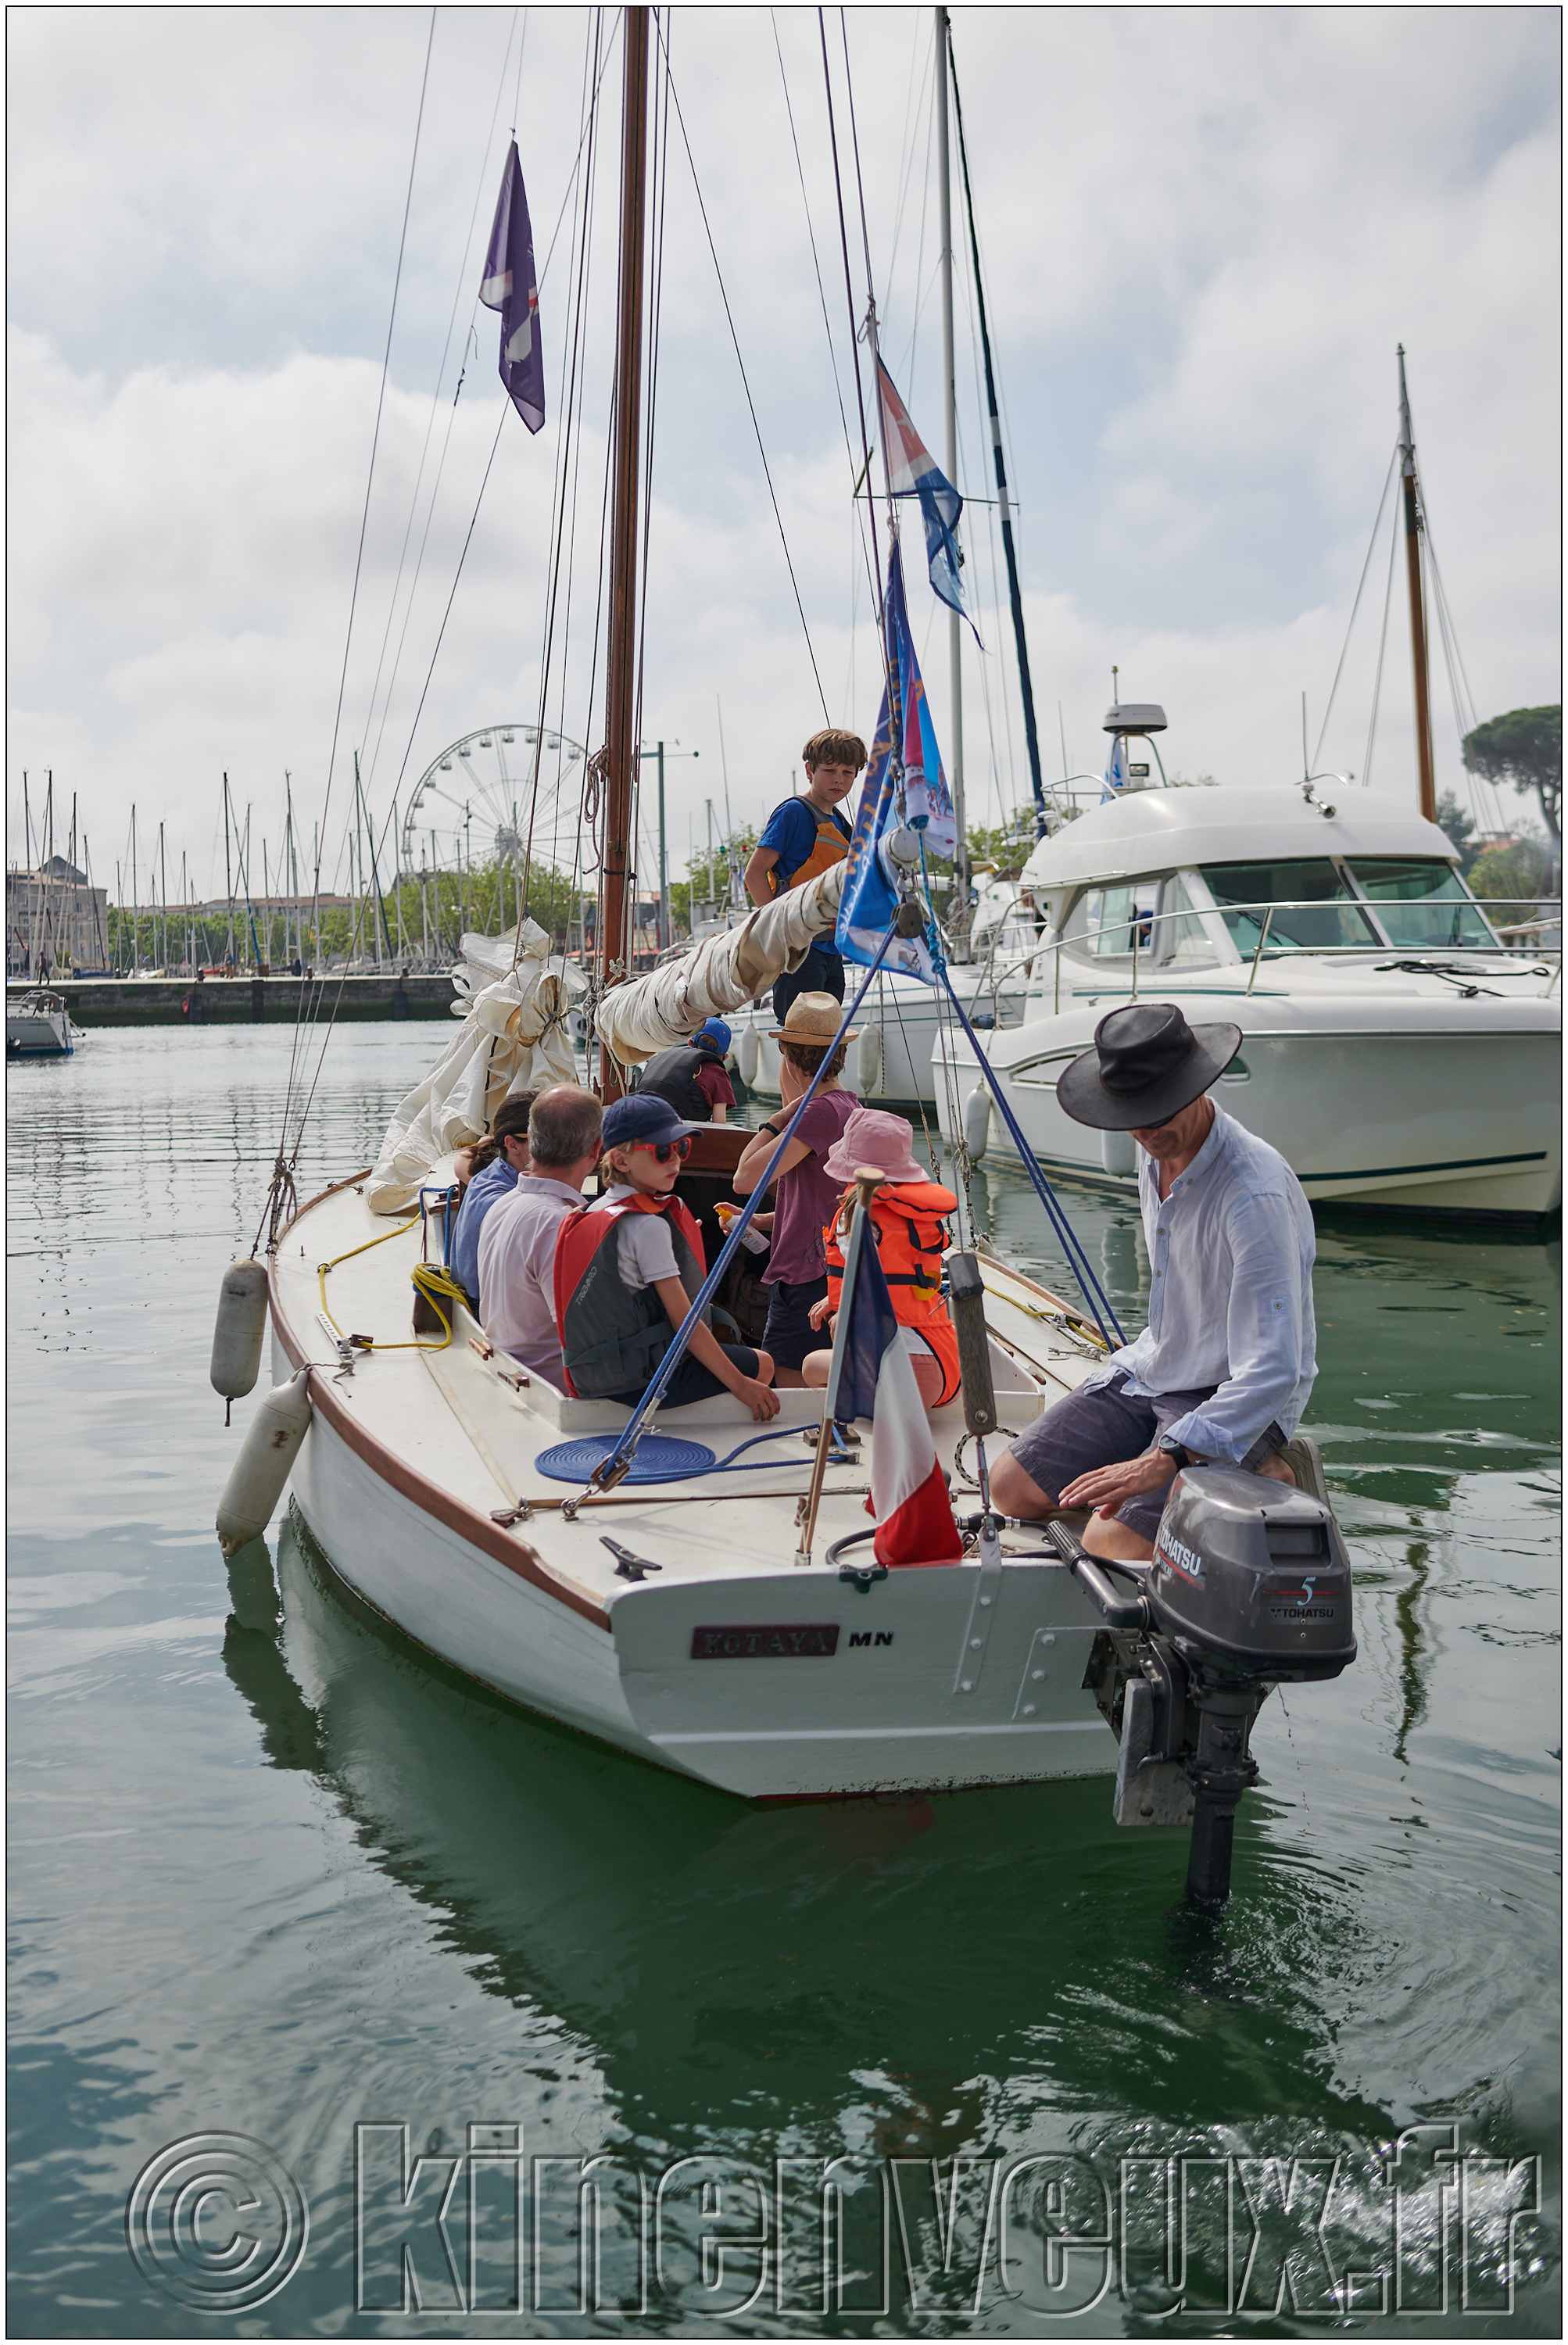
(872, 1138)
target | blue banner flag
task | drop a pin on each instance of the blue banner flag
(508, 286)
(1115, 770)
(913, 472)
(906, 765)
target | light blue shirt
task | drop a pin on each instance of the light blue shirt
(486, 1189)
(1230, 1301)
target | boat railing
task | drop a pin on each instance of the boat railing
(1539, 937)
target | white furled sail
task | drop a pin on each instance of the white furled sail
(724, 972)
(513, 1038)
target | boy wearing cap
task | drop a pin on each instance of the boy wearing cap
(692, 1076)
(805, 1196)
(1222, 1372)
(628, 1268)
(803, 837)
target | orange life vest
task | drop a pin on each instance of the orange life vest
(908, 1221)
(612, 1339)
(831, 848)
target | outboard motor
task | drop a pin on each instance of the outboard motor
(1250, 1587)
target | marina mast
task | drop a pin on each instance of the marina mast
(1418, 601)
(950, 424)
(621, 693)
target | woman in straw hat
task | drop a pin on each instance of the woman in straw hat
(805, 1196)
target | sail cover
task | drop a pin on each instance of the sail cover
(724, 972)
(514, 1037)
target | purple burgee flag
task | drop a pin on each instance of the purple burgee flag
(509, 286)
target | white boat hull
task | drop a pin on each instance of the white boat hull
(1413, 1104)
(895, 1061)
(729, 1663)
(38, 1034)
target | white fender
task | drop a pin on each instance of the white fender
(748, 1055)
(270, 1446)
(1118, 1151)
(977, 1122)
(241, 1325)
(868, 1061)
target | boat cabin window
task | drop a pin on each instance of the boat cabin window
(1420, 903)
(1102, 921)
(1307, 906)
(1180, 941)
(1159, 912)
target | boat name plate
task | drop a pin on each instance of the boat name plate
(789, 1640)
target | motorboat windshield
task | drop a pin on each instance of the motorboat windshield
(1420, 903)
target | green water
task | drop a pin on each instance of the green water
(273, 1876)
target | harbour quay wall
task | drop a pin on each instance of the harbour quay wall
(245, 1000)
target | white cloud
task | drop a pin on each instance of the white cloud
(1205, 231)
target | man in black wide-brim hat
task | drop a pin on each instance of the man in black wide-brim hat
(1221, 1374)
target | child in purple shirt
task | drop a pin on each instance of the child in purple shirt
(806, 1199)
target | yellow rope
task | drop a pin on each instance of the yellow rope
(430, 1279)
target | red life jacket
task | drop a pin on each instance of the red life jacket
(612, 1339)
(908, 1221)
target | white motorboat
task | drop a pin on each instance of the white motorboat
(1393, 1049)
(39, 1026)
(894, 1063)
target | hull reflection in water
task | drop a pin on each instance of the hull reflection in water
(903, 1964)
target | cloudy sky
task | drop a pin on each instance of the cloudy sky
(1204, 232)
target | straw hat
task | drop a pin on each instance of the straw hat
(813, 1018)
(874, 1141)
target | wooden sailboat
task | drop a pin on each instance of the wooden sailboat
(705, 1602)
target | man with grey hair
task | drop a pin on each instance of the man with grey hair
(517, 1240)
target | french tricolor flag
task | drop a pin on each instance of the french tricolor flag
(871, 1376)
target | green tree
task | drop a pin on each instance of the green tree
(1508, 880)
(1523, 748)
(1458, 826)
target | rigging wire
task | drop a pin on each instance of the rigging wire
(430, 426)
(1382, 647)
(855, 351)
(568, 441)
(376, 440)
(1371, 548)
(757, 428)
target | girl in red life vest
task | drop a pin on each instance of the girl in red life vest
(627, 1268)
(909, 1218)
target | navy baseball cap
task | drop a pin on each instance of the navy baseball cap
(641, 1116)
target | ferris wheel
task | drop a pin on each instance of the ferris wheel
(479, 797)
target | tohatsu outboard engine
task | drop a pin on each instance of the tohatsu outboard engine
(1250, 1587)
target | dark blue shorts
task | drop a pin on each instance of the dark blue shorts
(691, 1381)
(788, 1335)
(821, 971)
(1105, 1427)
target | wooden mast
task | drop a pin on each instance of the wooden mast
(620, 695)
(1418, 602)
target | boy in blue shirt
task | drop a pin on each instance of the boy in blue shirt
(803, 837)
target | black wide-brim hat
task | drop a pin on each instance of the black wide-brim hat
(1148, 1064)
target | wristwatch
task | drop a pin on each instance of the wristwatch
(1173, 1449)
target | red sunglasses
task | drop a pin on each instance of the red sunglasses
(661, 1151)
